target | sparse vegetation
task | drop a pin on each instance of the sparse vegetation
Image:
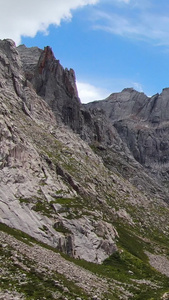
(25, 278)
(24, 200)
(43, 207)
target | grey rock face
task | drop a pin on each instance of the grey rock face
(122, 105)
(142, 125)
(53, 83)
(10, 78)
(29, 58)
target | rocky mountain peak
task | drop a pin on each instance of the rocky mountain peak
(56, 85)
(29, 58)
(46, 57)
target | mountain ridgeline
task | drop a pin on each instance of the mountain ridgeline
(130, 123)
(88, 180)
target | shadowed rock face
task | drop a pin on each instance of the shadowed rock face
(142, 123)
(53, 83)
(29, 58)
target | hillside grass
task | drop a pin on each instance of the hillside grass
(129, 266)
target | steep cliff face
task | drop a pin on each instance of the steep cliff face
(142, 124)
(53, 83)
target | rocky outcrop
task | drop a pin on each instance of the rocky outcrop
(29, 58)
(53, 83)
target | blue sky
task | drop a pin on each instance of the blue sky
(111, 44)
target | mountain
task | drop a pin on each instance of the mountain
(142, 124)
(132, 123)
(83, 188)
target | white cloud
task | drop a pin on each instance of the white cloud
(25, 18)
(89, 93)
(116, 2)
(125, 1)
(137, 86)
(116, 24)
(151, 24)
